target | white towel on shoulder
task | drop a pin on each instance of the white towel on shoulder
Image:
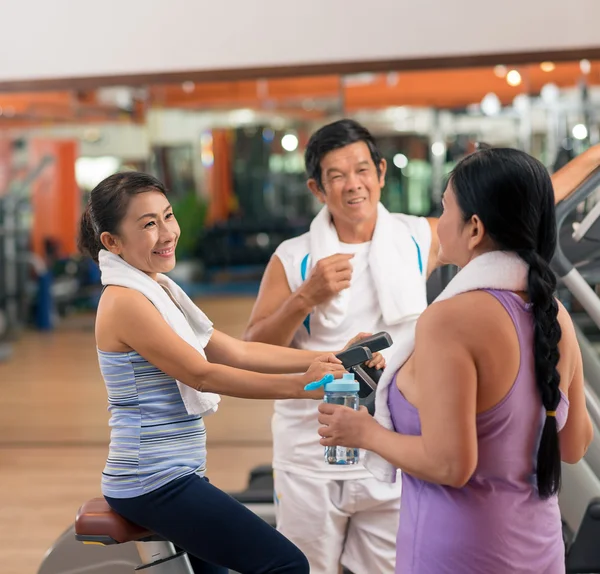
(494, 270)
(394, 264)
(193, 326)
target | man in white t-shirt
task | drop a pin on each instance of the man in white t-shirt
(335, 514)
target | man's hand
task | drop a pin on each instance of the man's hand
(377, 361)
(356, 339)
(327, 278)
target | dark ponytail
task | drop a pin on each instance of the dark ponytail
(108, 205)
(88, 242)
(512, 194)
(547, 333)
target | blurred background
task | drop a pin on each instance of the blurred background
(219, 102)
(231, 154)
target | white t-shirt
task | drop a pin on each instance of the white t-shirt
(296, 446)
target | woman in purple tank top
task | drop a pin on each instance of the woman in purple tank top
(492, 398)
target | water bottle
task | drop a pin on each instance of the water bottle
(342, 392)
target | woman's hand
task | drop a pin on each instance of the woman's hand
(344, 426)
(321, 366)
(377, 361)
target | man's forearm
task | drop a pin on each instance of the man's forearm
(280, 327)
(570, 177)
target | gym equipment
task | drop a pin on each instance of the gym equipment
(16, 260)
(240, 248)
(580, 495)
(114, 545)
(109, 544)
(366, 376)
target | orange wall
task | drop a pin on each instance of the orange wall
(5, 165)
(220, 187)
(55, 197)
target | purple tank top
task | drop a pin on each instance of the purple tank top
(496, 523)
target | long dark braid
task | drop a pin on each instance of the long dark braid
(546, 333)
(512, 194)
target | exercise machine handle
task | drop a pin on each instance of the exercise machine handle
(367, 377)
(560, 264)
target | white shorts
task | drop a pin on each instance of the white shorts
(353, 522)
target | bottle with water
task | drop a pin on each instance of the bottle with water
(342, 392)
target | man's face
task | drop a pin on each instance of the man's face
(351, 187)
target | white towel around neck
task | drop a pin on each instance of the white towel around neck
(493, 270)
(193, 326)
(394, 264)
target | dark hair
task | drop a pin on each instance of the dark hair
(512, 194)
(334, 136)
(107, 206)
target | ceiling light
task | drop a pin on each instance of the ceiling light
(289, 142)
(400, 161)
(438, 148)
(513, 78)
(580, 132)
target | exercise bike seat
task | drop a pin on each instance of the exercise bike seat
(97, 523)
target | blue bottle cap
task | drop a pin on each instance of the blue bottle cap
(346, 384)
(320, 383)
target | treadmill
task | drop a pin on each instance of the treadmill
(576, 264)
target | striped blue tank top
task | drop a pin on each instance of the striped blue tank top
(153, 439)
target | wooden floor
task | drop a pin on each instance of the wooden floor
(54, 433)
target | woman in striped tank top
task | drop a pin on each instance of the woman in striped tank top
(492, 398)
(154, 475)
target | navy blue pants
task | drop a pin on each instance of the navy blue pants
(216, 531)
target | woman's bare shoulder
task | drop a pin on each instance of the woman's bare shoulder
(468, 316)
(115, 297)
(472, 304)
(118, 306)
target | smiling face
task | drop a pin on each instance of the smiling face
(351, 186)
(147, 235)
